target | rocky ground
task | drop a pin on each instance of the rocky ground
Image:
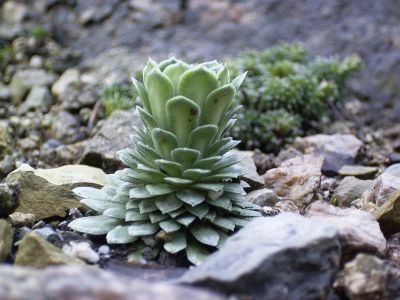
(331, 199)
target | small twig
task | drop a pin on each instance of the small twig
(93, 115)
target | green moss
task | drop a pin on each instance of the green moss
(38, 32)
(284, 93)
(118, 97)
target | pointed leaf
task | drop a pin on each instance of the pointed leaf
(215, 187)
(156, 217)
(120, 235)
(183, 115)
(99, 206)
(97, 225)
(197, 83)
(139, 193)
(174, 73)
(169, 226)
(142, 229)
(91, 193)
(178, 181)
(202, 136)
(196, 174)
(223, 76)
(164, 142)
(185, 156)
(146, 118)
(147, 205)
(177, 244)
(207, 163)
(139, 87)
(186, 219)
(115, 212)
(168, 204)
(222, 202)
(127, 158)
(159, 89)
(190, 197)
(205, 234)
(234, 188)
(224, 223)
(237, 82)
(134, 215)
(216, 104)
(170, 167)
(160, 189)
(199, 211)
(196, 253)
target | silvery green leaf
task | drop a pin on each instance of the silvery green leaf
(223, 76)
(147, 205)
(174, 73)
(154, 173)
(169, 226)
(159, 89)
(227, 160)
(207, 163)
(142, 94)
(147, 151)
(205, 234)
(177, 244)
(222, 176)
(164, 141)
(216, 104)
(185, 219)
(201, 137)
(185, 156)
(234, 188)
(196, 253)
(120, 235)
(190, 197)
(234, 196)
(127, 158)
(199, 211)
(113, 179)
(132, 204)
(227, 147)
(196, 174)
(188, 112)
(214, 149)
(92, 193)
(139, 193)
(142, 229)
(178, 181)
(239, 222)
(215, 187)
(160, 189)
(222, 239)
(245, 212)
(213, 65)
(211, 215)
(237, 82)
(197, 83)
(133, 215)
(168, 204)
(156, 217)
(97, 225)
(214, 195)
(146, 118)
(176, 213)
(224, 223)
(98, 205)
(222, 202)
(244, 184)
(172, 168)
(115, 212)
(151, 64)
(166, 63)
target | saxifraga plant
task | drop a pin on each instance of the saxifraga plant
(285, 94)
(181, 184)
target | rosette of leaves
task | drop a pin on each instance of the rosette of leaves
(180, 185)
(281, 82)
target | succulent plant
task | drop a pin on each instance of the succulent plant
(181, 184)
(285, 95)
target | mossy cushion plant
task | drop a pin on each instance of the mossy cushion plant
(180, 185)
(285, 94)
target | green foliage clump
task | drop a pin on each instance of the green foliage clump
(284, 93)
(38, 32)
(180, 186)
(6, 56)
(118, 97)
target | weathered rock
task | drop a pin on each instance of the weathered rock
(33, 251)
(82, 251)
(65, 127)
(14, 12)
(385, 185)
(368, 278)
(67, 80)
(350, 189)
(285, 205)
(89, 283)
(297, 179)
(338, 149)
(101, 150)
(5, 139)
(393, 248)
(388, 215)
(47, 193)
(263, 197)
(358, 230)
(283, 257)
(38, 98)
(9, 196)
(358, 171)
(6, 238)
(23, 80)
(249, 167)
(393, 170)
(19, 219)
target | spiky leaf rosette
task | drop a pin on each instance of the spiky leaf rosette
(180, 184)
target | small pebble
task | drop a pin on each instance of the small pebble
(83, 251)
(19, 219)
(104, 250)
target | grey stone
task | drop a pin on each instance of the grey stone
(283, 257)
(66, 128)
(388, 215)
(368, 277)
(297, 179)
(358, 230)
(263, 197)
(393, 170)
(358, 171)
(101, 150)
(337, 149)
(23, 81)
(68, 80)
(248, 166)
(14, 12)
(38, 98)
(19, 219)
(6, 239)
(89, 283)
(6, 139)
(385, 185)
(350, 189)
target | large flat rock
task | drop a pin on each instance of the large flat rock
(283, 257)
